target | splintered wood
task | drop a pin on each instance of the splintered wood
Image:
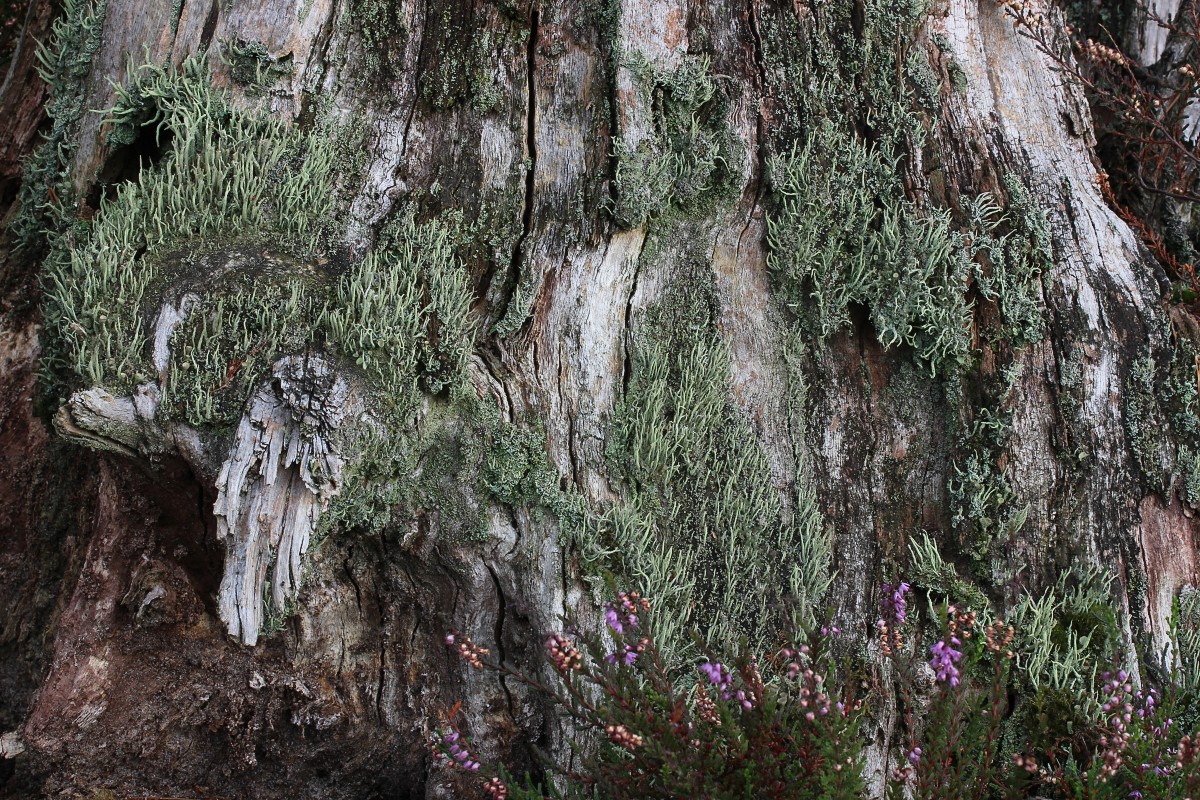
(279, 476)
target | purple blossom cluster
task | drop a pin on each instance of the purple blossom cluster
(627, 655)
(623, 614)
(458, 753)
(895, 604)
(894, 607)
(1122, 703)
(720, 678)
(945, 660)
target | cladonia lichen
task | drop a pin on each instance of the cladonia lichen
(684, 158)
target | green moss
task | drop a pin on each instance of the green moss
(518, 472)
(1162, 418)
(954, 70)
(459, 456)
(684, 160)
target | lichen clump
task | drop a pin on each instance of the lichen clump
(703, 527)
(843, 228)
(685, 157)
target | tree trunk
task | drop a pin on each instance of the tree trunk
(629, 296)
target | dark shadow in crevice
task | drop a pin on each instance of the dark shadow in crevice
(126, 163)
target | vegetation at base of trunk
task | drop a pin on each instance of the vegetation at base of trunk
(789, 722)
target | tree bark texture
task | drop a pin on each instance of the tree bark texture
(136, 658)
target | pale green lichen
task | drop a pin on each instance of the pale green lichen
(833, 245)
(64, 62)
(240, 211)
(252, 66)
(1189, 469)
(684, 159)
(842, 228)
(1185, 638)
(1067, 633)
(383, 32)
(223, 347)
(227, 175)
(930, 571)
(702, 530)
(1145, 421)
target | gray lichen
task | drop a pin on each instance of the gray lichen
(685, 159)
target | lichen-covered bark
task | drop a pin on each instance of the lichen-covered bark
(592, 332)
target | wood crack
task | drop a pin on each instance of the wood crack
(499, 636)
(210, 25)
(520, 248)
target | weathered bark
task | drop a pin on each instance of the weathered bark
(134, 659)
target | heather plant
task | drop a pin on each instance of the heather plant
(791, 723)
(1143, 116)
(770, 728)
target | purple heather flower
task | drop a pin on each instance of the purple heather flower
(613, 618)
(895, 604)
(914, 755)
(627, 656)
(718, 676)
(944, 659)
(620, 618)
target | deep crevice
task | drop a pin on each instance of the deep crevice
(499, 636)
(513, 279)
(760, 122)
(627, 362)
(210, 25)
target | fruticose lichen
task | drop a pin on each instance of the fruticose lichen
(209, 291)
(64, 61)
(703, 530)
(685, 157)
